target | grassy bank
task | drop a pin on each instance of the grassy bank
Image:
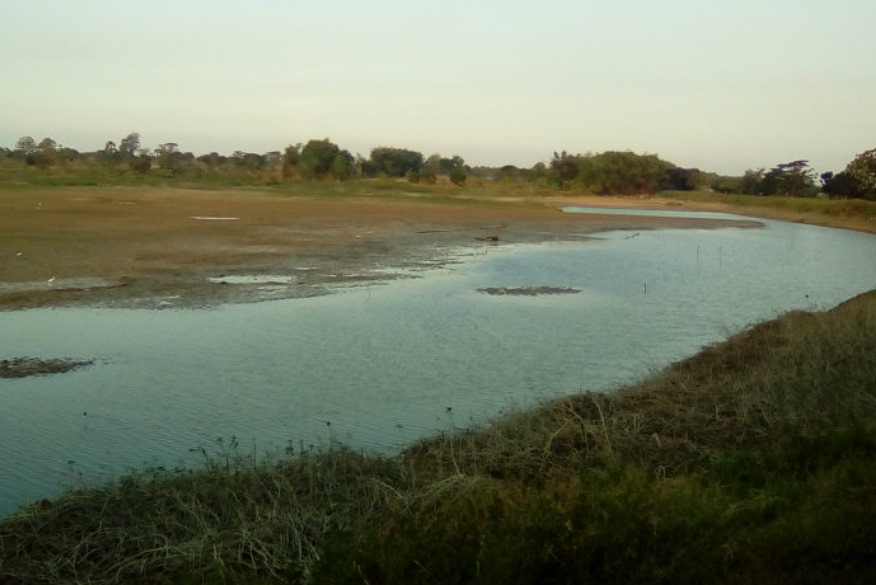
(752, 461)
(858, 214)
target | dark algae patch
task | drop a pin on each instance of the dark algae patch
(22, 367)
(529, 291)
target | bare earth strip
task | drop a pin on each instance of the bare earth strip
(148, 247)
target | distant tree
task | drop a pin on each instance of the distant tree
(109, 154)
(565, 166)
(538, 172)
(213, 159)
(428, 176)
(455, 162)
(169, 157)
(141, 163)
(457, 176)
(751, 182)
(342, 166)
(367, 167)
(250, 160)
(508, 172)
(794, 178)
(433, 164)
(291, 159)
(396, 162)
(863, 169)
(317, 158)
(65, 154)
(623, 173)
(40, 158)
(42, 155)
(129, 145)
(47, 145)
(727, 185)
(681, 179)
(26, 145)
(841, 185)
(440, 165)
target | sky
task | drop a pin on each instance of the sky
(720, 85)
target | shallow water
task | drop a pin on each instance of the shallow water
(378, 365)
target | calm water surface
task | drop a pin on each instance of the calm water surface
(378, 366)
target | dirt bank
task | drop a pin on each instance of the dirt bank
(148, 247)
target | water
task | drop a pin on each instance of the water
(377, 366)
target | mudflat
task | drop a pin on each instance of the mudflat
(162, 247)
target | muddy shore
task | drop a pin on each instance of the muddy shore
(170, 248)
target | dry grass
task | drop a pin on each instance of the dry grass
(854, 214)
(231, 517)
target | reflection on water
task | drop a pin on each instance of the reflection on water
(377, 366)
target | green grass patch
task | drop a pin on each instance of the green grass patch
(853, 208)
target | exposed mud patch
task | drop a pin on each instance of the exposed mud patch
(182, 249)
(529, 291)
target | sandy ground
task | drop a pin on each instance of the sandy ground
(157, 248)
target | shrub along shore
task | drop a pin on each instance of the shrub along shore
(752, 461)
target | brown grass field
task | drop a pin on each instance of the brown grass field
(149, 247)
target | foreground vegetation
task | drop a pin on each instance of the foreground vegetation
(752, 461)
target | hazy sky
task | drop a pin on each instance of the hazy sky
(722, 85)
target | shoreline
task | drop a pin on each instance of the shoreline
(654, 202)
(151, 248)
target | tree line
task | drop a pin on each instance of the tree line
(313, 160)
(606, 173)
(797, 179)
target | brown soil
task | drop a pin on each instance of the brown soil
(148, 247)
